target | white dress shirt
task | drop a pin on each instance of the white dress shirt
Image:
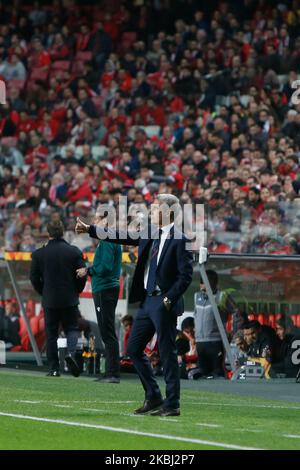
(165, 234)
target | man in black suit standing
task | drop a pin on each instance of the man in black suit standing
(53, 276)
(162, 275)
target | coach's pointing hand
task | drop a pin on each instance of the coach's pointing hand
(81, 227)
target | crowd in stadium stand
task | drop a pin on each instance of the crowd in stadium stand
(137, 97)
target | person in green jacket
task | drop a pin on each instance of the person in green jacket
(105, 275)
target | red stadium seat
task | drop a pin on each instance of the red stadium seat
(77, 66)
(37, 325)
(22, 328)
(9, 141)
(84, 56)
(272, 322)
(18, 84)
(30, 308)
(294, 319)
(128, 38)
(58, 74)
(39, 74)
(64, 65)
(229, 324)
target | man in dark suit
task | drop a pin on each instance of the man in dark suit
(162, 275)
(53, 276)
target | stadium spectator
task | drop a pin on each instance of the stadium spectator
(9, 324)
(209, 89)
(127, 322)
(186, 347)
(152, 353)
(287, 334)
(240, 351)
(208, 338)
(260, 340)
(13, 69)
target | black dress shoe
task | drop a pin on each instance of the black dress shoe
(72, 366)
(148, 406)
(111, 380)
(164, 412)
(99, 379)
(53, 373)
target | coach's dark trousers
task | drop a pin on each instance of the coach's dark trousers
(153, 317)
(105, 305)
(68, 318)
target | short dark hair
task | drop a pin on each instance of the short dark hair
(255, 190)
(213, 277)
(285, 323)
(55, 229)
(188, 322)
(252, 324)
(127, 319)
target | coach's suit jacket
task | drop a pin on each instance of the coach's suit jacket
(53, 274)
(174, 269)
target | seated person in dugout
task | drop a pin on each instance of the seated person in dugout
(239, 348)
(186, 347)
(289, 343)
(126, 363)
(208, 338)
(261, 341)
(9, 324)
(151, 350)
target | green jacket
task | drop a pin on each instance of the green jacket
(106, 269)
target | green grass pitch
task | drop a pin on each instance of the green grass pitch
(38, 412)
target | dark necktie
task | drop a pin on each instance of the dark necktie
(151, 282)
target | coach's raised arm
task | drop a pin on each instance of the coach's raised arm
(114, 236)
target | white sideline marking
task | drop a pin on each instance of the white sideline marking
(112, 402)
(247, 430)
(128, 431)
(291, 436)
(208, 425)
(62, 406)
(209, 403)
(169, 419)
(31, 402)
(95, 410)
(77, 401)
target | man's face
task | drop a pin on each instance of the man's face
(252, 196)
(127, 326)
(280, 331)
(189, 330)
(241, 344)
(202, 287)
(155, 214)
(8, 309)
(250, 335)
